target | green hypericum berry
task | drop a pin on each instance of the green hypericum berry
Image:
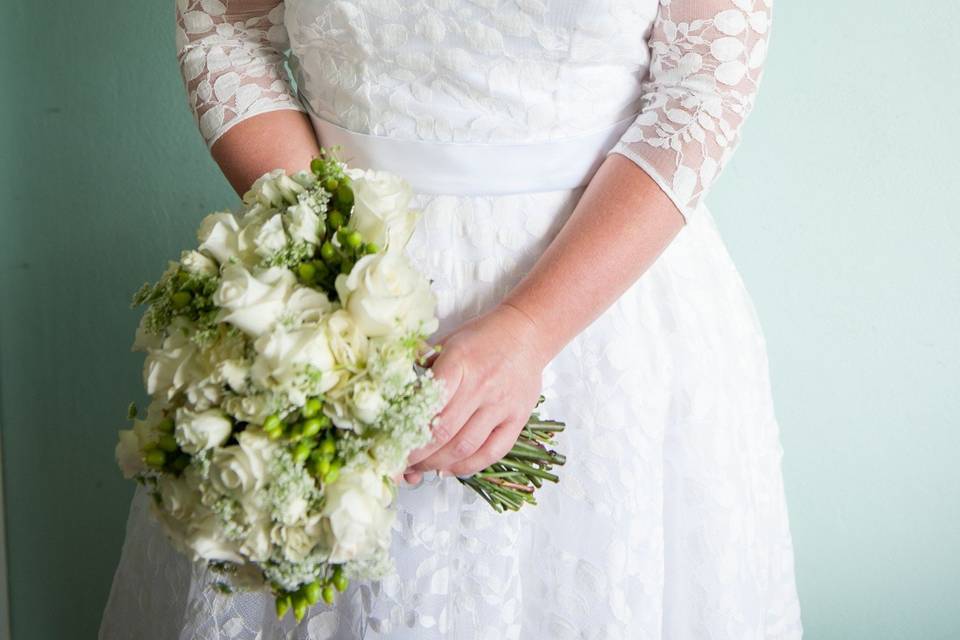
(311, 408)
(180, 299)
(306, 271)
(302, 451)
(328, 446)
(340, 581)
(300, 606)
(312, 592)
(344, 195)
(331, 184)
(312, 427)
(167, 443)
(336, 219)
(333, 473)
(273, 423)
(283, 605)
(166, 425)
(328, 252)
(347, 265)
(155, 458)
(322, 467)
(354, 240)
(327, 594)
(370, 248)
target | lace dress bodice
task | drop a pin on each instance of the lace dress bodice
(490, 71)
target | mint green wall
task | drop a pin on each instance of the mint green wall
(841, 209)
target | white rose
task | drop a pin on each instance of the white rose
(219, 236)
(275, 189)
(387, 296)
(283, 356)
(303, 224)
(175, 364)
(253, 303)
(306, 304)
(357, 511)
(257, 544)
(250, 408)
(380, 209)
(295, 542)
(198, 431)
(240, 469)
(347, 341)
(270, 237)
(178, 496)
(366, 401)
(206, 540)
(199, 264)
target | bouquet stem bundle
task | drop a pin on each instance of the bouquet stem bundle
(509, 484)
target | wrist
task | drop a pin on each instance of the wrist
(531, 332)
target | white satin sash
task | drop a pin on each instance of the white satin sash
(459, 168)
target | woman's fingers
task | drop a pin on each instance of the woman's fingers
(497, 445)
(465, 443)
(460, 405)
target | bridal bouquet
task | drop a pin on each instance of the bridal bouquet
(283, 361)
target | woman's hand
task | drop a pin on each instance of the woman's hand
(491, 367)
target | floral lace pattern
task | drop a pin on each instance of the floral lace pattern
(231, 61)
(707, 62)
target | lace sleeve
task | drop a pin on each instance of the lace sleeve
(706, 62)
(231, 55)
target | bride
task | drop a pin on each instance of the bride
(560, 153)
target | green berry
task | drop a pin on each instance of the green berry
(311, 408)
(354, 240)
(321, 267)
(328, 252)
(333, 473)
(181, 299)
(370, 248)
(300, 606)
(331, 184)
(344, 195)
(302, 451)
(306, 271)
(316, 166)
(340, 581)
(336, 219)
(155, 458)
(322, 467)
(347, 265)
(283, 605)
(273, 423)
(167, 443)
(328, 446)
(166, 425)
(327, 594)
(312, 592)
(312, 427)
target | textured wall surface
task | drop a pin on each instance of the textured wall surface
(841, 209)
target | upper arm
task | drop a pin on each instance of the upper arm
(231, 55)
(707, 59)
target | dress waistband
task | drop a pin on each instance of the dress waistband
(470, 168)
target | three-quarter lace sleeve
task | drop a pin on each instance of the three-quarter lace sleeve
(232, 55)
(706, 63)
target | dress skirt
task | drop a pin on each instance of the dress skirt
(669, 521)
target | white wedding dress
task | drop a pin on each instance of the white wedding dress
(670, 519)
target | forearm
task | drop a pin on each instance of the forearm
(282, 139)
(621, 224)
